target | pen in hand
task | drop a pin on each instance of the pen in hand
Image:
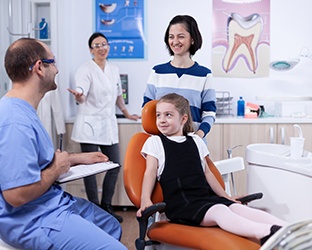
(61, 142)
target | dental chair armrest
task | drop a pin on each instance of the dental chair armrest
(140, 243)
(157, 207)
(251, 197)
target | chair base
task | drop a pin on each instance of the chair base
(208, 238)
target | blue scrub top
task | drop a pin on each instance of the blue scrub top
(25, 150)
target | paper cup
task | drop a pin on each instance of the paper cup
(296, 147)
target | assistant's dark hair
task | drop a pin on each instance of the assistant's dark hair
(20, 55)
(93, 36)
(183, 107)
(191, 27)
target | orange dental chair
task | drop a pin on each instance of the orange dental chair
(207, 238)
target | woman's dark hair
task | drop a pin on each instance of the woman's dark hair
(20, 56)
(93, 36)
(191, 27)
(183, 107)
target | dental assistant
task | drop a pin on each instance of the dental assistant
(98, 91)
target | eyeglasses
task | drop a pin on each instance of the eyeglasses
(99, 45)
(48, 61)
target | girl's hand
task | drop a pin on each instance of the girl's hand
(234, 198)
(144, 205)
(139, 212)
(237, 201)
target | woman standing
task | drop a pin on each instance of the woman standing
(98, 91)
(184, 76)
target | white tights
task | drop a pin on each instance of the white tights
(241, 220)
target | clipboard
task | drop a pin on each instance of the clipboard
(80, 171)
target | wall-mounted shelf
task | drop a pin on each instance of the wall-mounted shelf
(41, 9)
(45, 9)
(45, 40)
(29, 32)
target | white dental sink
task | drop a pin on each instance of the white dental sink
(278, 156)
(284, 181)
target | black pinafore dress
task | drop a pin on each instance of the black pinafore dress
(186, 191)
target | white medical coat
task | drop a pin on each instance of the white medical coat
(96, 121)
(50, 110)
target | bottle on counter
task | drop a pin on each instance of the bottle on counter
(43, 25)
(240, 107)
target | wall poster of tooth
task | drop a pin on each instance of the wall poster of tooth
(241, 38)
(122, 22)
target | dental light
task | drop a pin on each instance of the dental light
(284, 65)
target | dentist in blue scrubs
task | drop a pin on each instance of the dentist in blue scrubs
(35, 212)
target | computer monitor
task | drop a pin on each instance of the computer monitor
(124, 86)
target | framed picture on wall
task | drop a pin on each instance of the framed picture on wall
(241, 38)
(122, 22)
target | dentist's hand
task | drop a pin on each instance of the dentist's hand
(61, 162)
(87, 158)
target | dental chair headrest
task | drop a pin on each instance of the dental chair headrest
(149, 118)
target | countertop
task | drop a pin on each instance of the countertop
(119, 120)
(272, 120)
(229, 120)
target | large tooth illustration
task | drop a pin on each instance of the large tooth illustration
(243, 35)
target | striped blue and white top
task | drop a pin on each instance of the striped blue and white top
(194, 83)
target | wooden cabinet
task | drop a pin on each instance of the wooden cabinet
(285, 131)
(245, 134)
(215, 142)
(241, 135)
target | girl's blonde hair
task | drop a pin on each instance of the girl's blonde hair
(183, 107)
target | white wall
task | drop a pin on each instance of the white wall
(158, 14)
(291, 30)
(3, 46)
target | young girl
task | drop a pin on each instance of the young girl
(192, 193)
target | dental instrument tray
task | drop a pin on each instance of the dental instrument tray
(224, 103)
